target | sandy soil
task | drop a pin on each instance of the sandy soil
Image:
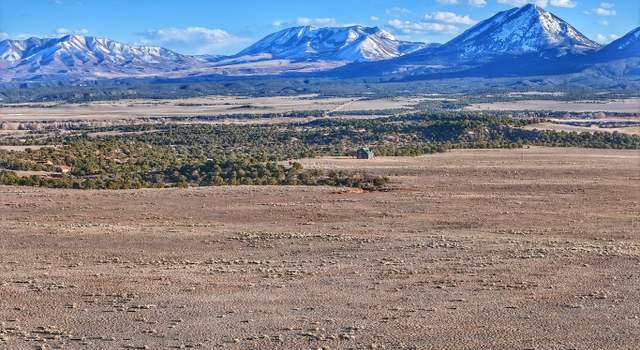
(484, 249)
(630, 105)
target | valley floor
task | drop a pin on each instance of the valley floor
(478, 249)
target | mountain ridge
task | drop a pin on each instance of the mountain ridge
(77, 55)
(527, 31)
(520, 41)
(353, 43)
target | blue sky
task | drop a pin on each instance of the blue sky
(226, 26)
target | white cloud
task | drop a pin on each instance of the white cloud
(54, 34)
(563, 3)
(450, 17)
(307, 21)
(409, 27)
(374, 18)
(477, 3)
(443, 22)
(604, 9)
(604, 23)
(604, 12)
(65, 31)
(23, 36)
(323, 22)
(199, 40)
(448, 2)
(605, 39)
(518, 3)
(398, 12)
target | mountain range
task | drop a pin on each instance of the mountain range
(522, 41)
(84, 56)
(349, 44)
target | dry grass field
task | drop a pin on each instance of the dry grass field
(629, 105)
(633, 130)
(487, 249)
(200, 106)
(228, 105)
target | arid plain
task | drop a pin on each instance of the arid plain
(318, 175)
(505, 249)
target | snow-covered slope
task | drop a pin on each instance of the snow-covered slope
(12, 51)
(303, 49)
(525, 30)
(87, 56)
(353, 44)
(508, 41)
(625, 47)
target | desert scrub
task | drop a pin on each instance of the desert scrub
(214, 155)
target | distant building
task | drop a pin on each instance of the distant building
(364, 153)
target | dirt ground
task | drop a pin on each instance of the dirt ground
(486, 249)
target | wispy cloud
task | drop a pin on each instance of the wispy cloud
(541, 3)
(604, 12)
(478, 3)
(450, 17)
(605, 9)
(605, 39)
(398, 11)
(518, 3)
(562, 3)
(309, 21)
(439, 22)
(322, 22)
(408, 27)
(65, 31)
(198, 40)
(448, 2)
(54, 34)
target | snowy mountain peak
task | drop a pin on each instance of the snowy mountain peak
(516, 39)
(86, 56)
(524, 30)
(73, 50)
(532, 7)
(355, 44)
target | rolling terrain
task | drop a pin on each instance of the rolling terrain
(323, 188)
(471, 249)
